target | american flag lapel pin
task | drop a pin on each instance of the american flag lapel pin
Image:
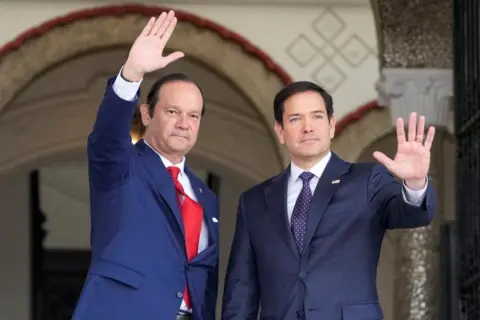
(335, 181)
(201, 190)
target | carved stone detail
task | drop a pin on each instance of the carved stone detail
(426, 91)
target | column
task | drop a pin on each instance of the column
(467, 133)
(417, 274)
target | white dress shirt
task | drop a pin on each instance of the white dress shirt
(127, 91)
(295, 184)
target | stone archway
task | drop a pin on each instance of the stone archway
(359, 129)
(226, 53)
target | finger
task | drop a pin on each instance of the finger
(412, 126)
(168, 32)
(420, 129)
(168, 21)
(400, 131)
(429, 139)
(173, 57)
(158, 24)
(383, 159)
(148, 28)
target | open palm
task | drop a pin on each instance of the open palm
(412, 160)
(146, 54)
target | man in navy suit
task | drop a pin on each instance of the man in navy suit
(154, 229)
(307, 241)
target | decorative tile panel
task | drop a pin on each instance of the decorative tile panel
(302, 50)
(331, 49)
(329, 76)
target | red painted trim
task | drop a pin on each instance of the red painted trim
(356, 115)
(119, 10)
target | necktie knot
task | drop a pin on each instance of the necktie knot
(306, 176)
(174, 171)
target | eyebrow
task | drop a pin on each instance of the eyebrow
(298, 114)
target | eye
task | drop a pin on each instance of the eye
(171, 111)
(195, 116)
(293, 119)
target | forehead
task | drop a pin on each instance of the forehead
(180, 94)
(304, 102)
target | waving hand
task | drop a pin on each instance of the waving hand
(147, 52)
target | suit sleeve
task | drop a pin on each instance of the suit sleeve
(241, 293)
(109, 145)
(393, 210)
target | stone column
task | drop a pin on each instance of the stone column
(428, 92)
(416, 35)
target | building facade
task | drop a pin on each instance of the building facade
(379, 59)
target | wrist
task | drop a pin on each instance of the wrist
(416, 184)
(131, 74)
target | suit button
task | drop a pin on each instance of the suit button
(302, 274)
(179, 295)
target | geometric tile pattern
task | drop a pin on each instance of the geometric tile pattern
(328, 26)
(302, 50)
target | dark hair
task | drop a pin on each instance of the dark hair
(299, 87)
(152, 97)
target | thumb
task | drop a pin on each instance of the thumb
(173, 57)
(383, 159)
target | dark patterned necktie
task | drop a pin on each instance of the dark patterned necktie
(300, 211)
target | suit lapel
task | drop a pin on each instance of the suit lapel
(164, 189)
(276, 198)
(208, 207)
(324, 192)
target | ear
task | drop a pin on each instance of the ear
(145, 113)
(333, 123)
(279, 130)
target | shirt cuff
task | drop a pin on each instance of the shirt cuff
(126, 90)
(414, 197)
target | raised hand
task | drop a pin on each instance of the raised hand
(146, 54)
(412, 161)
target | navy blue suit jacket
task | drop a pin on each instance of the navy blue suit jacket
(335, 279)
(139, 265)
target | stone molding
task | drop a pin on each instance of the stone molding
(426, 91)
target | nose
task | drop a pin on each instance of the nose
(307, 127)
(182, 122)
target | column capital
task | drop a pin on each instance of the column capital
(426, 91)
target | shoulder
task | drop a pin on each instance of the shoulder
(259, 189)
(196, 181)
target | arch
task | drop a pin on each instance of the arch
(359, 129)
(64, 37)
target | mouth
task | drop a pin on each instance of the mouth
(309, 140)
(180, 137)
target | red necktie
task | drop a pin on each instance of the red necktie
(192, 214)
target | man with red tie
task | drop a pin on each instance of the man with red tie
(154, 223)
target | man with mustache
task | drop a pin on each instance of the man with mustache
(154, 223)
(307, 241)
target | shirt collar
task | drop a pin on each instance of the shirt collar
(167, 163)
(317, 169)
